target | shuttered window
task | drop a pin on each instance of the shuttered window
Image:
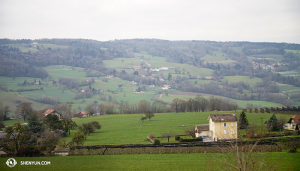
(232, 124)
(232, 131)
(225, 132)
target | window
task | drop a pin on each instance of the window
(232, 124)
(225, 124)
(225, 132)
(232, 131)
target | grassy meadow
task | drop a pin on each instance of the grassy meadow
(217, 57)
(191, 161)
(235, 79)
(124, 128)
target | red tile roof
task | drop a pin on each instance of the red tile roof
(48, 111)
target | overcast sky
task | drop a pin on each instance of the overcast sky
(222, 20)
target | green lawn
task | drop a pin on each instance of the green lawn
(192, 161)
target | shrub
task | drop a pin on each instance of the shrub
(289, 133)
(177, 137)
(157, 141)
(191, 140)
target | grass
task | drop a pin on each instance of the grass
(11, 122)
(246, 79)
(157, 62)
(191, 161)
(124, 128)
(288, 88)
(62, 71)
(217, 57)
(8, 98)
(237, 49)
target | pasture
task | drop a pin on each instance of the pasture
(9, 98)
(217, 57)
(158, 62)
(124, 128)
(245, 79)
(189, 161)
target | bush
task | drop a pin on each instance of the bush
(156, 141)
(191, 140)
(177, 137)
(289, 133)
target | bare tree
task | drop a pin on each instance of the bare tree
(191, 132)
(236, 155)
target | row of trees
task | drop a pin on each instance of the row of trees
(196, 104)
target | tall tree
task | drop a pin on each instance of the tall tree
(175, 105)
(35, 124)
(53, 122)
(24, 109)
(243, 121)
(272, 123)
(68, 125)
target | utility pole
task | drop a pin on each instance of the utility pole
(139, 134)
(261, 126)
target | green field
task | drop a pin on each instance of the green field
(288, 88)
(237, 49)
(233, 79)
(62, 71)
(217, 57)
(8, 98)
(157, 62)
(192, 161)
(124, 128)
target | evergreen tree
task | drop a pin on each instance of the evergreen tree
(35, 125)
(243, 121)
(272, 123)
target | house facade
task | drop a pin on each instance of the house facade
(53, 112)
(293, 123)
(83, 114)
(221, 126)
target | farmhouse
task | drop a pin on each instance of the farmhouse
(83, 114)
(221, 126)
(52, 112)
(100, 90)
(136, 67)
(293, 123)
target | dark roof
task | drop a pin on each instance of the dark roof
(296, 118)
(199, 128)
(224, 117)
